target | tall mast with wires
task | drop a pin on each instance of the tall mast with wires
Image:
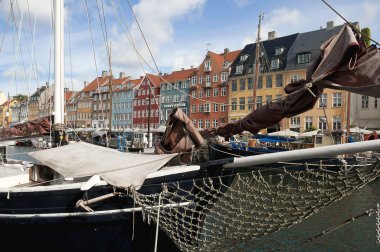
(257, 63)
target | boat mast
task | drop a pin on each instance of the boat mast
(148, 137)
(257, 62)
(58, 62)
(110, 88)
(348, 112)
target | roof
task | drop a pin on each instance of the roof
(309, 42)
(69, 95)
(267, 52)
(154, 79)
(94, 84)
(218, 60)
(178, 75)
(38, 91)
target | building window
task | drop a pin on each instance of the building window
(279, 50)
(234, 102)
(201, 79)
(200, 94)
(193, 108)
(337, 100)
(242, 103)
(275, 63)
(242, 84)
(278, 80)
(308, 122)
(224, 76)
(269, 81)
(207, 123)
(216, 107)
(278, 97)
(234, 85)
(259, 101)
(223, 107)
(208, 79)
(322, 123)
(194, 94)
(268, 99)
(337, 122)
(250, 83)
(207, 67)
(215, 123)
(207, 107)
(215, 78)
(322, 101)
(243, 57)
(195, 122)
(295, 123)
(223, 91)
(239, 69)
(303, 58)
(200, 124)
(194, 80)
(208, 93)
(260, 82)
(250, 100)
(294, 77)
(216, 92)
(200, 107)
(365, 100)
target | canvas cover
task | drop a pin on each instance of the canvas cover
(117, 168)
(38, 126)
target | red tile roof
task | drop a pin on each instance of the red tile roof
(94, 84)
(178, 75)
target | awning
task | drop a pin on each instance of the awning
(117, 168)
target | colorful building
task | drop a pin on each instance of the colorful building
(147, 98)
(273, 54)
(35, 103)
(208, 89)
(330, 112)
(175, 92)
(122, 103)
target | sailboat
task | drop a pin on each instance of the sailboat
(106, 202)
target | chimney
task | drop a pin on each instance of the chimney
(104, 73)
(329, 25)
(122, 75)
(85, 83)
(272, 35)
(65, 89)
(226, 50)
(182, 68)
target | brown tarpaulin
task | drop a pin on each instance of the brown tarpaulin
(38, 126)
(345, 63)
(179, 136)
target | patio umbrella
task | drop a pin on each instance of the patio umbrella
(285, 133)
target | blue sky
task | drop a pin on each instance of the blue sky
(179, 32)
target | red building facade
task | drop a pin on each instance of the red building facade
(149, 87)
(208, 90)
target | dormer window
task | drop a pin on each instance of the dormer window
(243, 57)
(226, 63)
(303, 58)
(275, 63)
(279, 50)
(239, 69)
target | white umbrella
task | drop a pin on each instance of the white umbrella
(285, 133)
(309, 133)
(359, 130)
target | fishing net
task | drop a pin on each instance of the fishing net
(214, 214)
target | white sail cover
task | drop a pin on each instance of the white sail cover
(117, 168)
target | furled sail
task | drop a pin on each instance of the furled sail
(38, 126)
(345, 63)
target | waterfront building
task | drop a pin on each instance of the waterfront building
(365, 112)
(330, 112)
(34, 103)
(147, 98)
(122, 103)
(273, 54)
(208, 89)
(71, 105)
(174, 91)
